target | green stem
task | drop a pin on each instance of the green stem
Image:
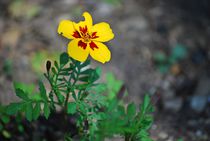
(70, 88)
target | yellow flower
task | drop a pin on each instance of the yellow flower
(87, 39)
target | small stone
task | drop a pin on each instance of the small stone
(173, 104)
(170, 139)
(163, 135)
(198, 103)
(199, 133)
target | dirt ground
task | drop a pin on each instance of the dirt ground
(146, 31)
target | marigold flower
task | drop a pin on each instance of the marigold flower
(87, 39)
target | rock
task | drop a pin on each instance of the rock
(174, 104)
(198, 103)
(199, 133)
(163, 135)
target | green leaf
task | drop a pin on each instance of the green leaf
(54, 70)
(27, 88)
(37, 111)
(5, 119)
(98, 71)
(87, 71)
(64, 58)
(146, 102)
(121, 110)
(179, 51)
(84, 78)
(42, 91)
(56, 64)
(67, 137)
(160, 57)
(131, 110)
(21, 94)
(180, 139)
(60, 97)
(64, 73)
(13, 108)
(86, 63)
(163, 68)
(71, 108)
(29, 111)
(46, 110)
(20, 128)
(145, 106)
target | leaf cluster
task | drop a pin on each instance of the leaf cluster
(99, 111)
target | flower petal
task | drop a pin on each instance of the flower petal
(103, 31)
(88, 19)
(66, 29)
(100, 53)
(77, 52)
(87, 22)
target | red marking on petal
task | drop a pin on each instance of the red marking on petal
(82, 44)
(83, 29)
(93, 45)
(94, 35)
(76, 34)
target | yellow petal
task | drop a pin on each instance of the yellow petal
(66, 29)
(87, 22)
(101, 54)
(77, 52)
(103, 31)
(88, 19)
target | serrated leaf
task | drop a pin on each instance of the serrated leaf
(131, 110)
(56, 64)
(36, 111)
(64, 73)
(54, 70)
(27, 88)
(29, 111)
(95, 75)
(46, 110)
(86, 63)
(71, 108)
(84, 78)
(21, 94)
(66, 69)
(64, 58)
(87, 71)
(42, 91)
(98, 71)
(146, 102)
(60, 97)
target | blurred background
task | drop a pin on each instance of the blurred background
(161, 47)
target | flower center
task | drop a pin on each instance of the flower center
(86, 36)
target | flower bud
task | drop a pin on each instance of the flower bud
(48, 65)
